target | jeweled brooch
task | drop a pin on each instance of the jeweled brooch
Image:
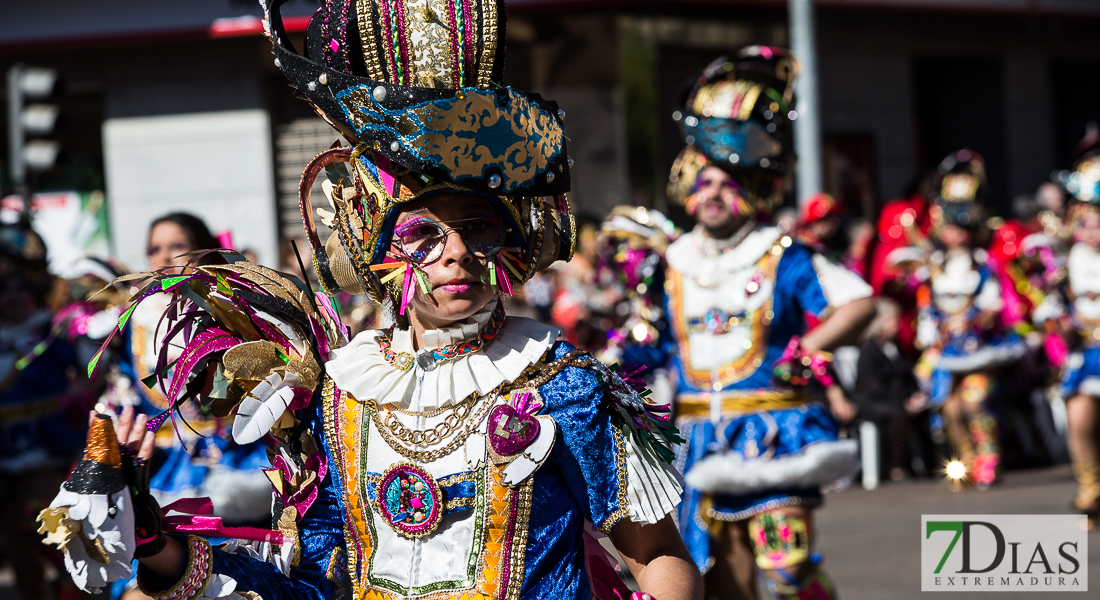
(409, 500)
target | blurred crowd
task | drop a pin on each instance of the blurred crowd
(985, 348)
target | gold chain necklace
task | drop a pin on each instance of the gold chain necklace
(428, 437)
(397, 435)
(430, 413)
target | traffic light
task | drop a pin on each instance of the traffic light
(30, 121)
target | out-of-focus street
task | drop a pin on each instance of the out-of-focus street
(872, 562)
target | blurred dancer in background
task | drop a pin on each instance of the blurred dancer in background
(960, 323)
(632, 263)
(741, 299)
(1081, 382)
(196, 457)
(44, 397)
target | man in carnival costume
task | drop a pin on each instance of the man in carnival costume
(457, 453)
(741, 298)
(960, 323)
(1081, 378)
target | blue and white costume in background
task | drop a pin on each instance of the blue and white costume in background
(208, 464)
(961, 288)
(751, 446)
(1082, 374)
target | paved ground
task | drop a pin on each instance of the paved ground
(871, 540)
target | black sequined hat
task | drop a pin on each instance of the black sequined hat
(736, 114)
(416, 88)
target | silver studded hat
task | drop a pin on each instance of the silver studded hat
(415, 87)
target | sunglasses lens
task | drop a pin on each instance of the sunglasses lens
(423, 242)
(484, 242)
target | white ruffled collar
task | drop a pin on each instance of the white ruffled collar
(360, 369)
(1083, 265)
(696, 254)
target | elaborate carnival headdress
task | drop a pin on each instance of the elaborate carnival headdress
(963, 189)
(415, 88)
(736, 115)
(641, 226)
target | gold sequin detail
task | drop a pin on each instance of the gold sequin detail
(102, 444)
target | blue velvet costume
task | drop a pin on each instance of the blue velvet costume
(762, 290)
(584, 479)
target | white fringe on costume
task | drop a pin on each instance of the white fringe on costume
(818, 464)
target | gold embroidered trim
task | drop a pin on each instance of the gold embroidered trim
(519, 538)
(748, 362)
(288, 526)
(456, 478)
(367, 18)
(695, 406)
(337, 442)
(200, 564)
(623, 503)
(333, 561)
(489, 35)
(459, 503)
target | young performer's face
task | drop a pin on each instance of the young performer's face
(452, 259)
(1088, 229)
(717, 201)
(166, 242)
(954, 236)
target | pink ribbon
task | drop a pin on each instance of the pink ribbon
(190, 523)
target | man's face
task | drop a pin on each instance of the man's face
(718, 202)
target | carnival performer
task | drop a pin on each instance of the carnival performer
(631, 262)
(897, 259)
(740, 298)
(960, 325)
(458, 453)
(1030, 268)
(197, 457)
(1081, 381)
(43, 399)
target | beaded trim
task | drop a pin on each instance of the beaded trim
(200, 564)
(404, 360)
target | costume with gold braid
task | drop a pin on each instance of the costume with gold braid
(465, 467)
(754, 445)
